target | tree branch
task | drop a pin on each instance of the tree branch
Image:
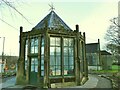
(8, 24)
(115, 21)
(8, 4)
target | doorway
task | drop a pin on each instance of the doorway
(34, 70)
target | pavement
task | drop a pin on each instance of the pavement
(91, 83)
(8, 83)
(94, 81)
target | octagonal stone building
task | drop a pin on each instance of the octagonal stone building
(52, 53)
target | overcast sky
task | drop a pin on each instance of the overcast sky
(93, 19)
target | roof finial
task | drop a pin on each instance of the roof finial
(51, 7)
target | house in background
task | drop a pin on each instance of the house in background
(2, 65)
(8, 64)
(93, 56)
(107, 60)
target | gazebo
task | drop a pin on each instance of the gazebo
(52, 53)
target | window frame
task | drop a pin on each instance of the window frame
(53, 72)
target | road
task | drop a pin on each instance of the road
(103, 82)
(94, 81)
(10, 81)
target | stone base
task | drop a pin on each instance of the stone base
(62, 85)
(84, 79)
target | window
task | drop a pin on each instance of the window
(42, 56)
(55, 56)
(94, 59)
(68, 56)
(26, 53)
(90, 60)
(34, 45)
(34, 64)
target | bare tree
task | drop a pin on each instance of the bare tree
(9, 4)
(113, 37)
(113, 33)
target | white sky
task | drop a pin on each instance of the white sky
(93, 19)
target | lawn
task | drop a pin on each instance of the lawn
(113, 74)
(115, 67)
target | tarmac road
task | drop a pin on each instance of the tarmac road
(93, 83)
(103, 82)
(6, 82)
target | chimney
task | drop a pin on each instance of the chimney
(77, 28)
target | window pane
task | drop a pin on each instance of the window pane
(36, 49)
(42, 60)
(71, 61)
(65, 51)
(52, 41)
(52, 69)
(52, 50)
(34, 45)
(42, 73)
(57, 41)
(52, 60)
(58, 70)
(42, 41)
(70, 51)
(65, 67)
(26, 56)
(26, 53)
(70, 42)
(42, 67)
(36, 64)
(32, 42)
(65, 70)
(36, 42)
(26, 63)
(71, 70)
(36, 61)
(42, 57)
(51, 72)
(65, 42)
(72, 67)
(32, 65)
(26, 49)
(26, 42)
(58, 67)
(58, 51)
(65, 60)
(58, 60)
(32, 49)
(42, 50)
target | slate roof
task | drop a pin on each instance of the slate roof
(92, 47)
(53, 21)
(104, 52)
